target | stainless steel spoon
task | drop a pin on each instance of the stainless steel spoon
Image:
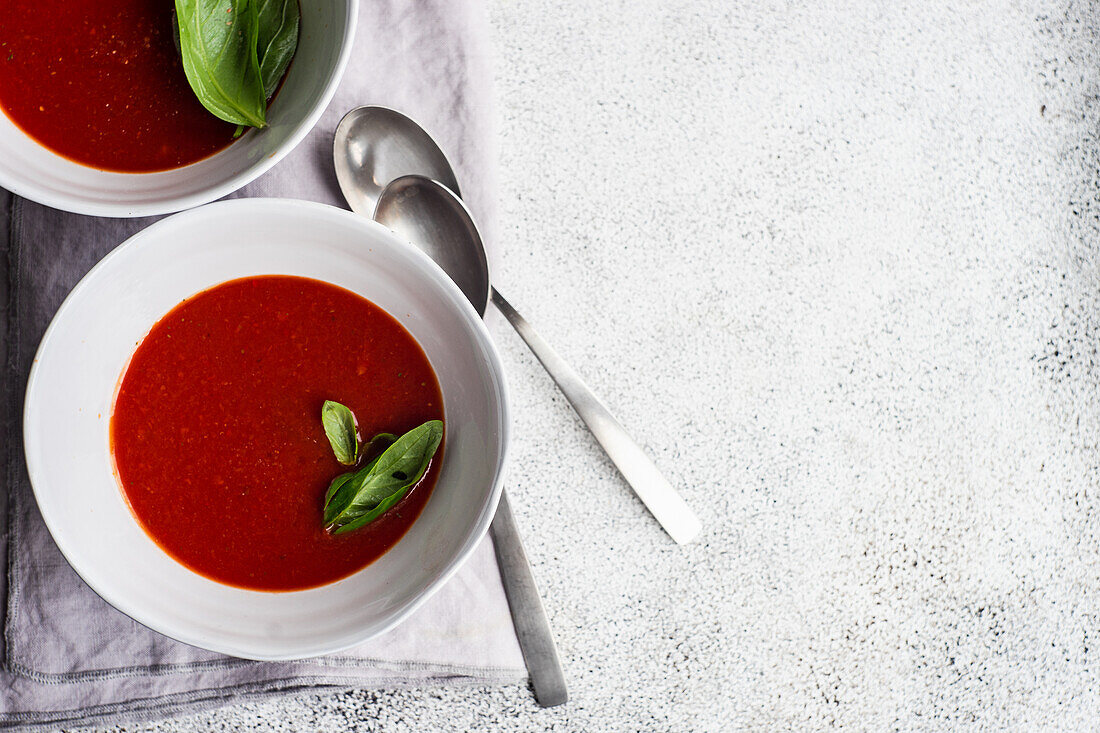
(376, 145)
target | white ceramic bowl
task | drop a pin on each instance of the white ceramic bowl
(35, 172)
(88, 344)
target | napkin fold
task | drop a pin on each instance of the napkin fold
(68, 657)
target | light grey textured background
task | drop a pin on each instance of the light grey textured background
(835, 264)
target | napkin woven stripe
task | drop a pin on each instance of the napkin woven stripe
(12, 427)
(335, 662)
(165, 705)
(7, 395)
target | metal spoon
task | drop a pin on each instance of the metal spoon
(375, 145)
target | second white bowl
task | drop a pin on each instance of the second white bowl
(33, 171)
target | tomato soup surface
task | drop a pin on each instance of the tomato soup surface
(216, 429)
(101, 83)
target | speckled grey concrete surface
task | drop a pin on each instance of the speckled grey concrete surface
(836, 266)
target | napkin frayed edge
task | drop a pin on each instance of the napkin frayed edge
(197, 701)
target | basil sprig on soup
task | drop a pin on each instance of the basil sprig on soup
(235, 52)
(355, 499)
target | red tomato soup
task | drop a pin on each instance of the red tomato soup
(216, 429)
(101, 82)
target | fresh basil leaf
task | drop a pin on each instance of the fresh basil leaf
(276, 41)
(373, 514)
(339, 424)
(218, 40)
(386, 479)
(334, 487)
(342, 489)
(336, 500)
(410, 454)
(378, 444)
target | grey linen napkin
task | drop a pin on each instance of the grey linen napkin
(68, 657)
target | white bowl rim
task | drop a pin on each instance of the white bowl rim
(124, 210)
(473, 537)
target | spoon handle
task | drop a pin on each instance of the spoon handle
(536, 641)
(652, 488)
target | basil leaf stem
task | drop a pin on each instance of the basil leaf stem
(339, 424)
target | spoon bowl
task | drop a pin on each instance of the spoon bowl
(375, 145)
(435, 221)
